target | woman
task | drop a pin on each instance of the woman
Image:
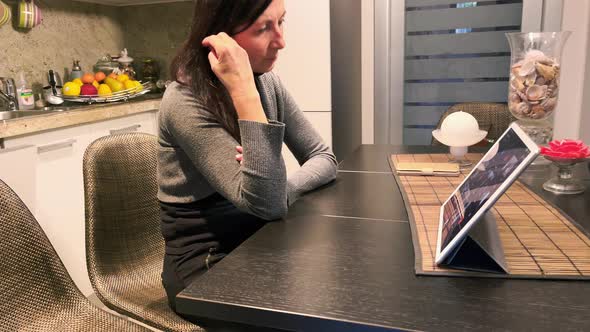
(224, 100)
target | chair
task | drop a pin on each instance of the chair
(36, 291)
(124, 246)
(492, 117)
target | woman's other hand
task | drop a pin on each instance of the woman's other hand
(240, 155)
(230, 63)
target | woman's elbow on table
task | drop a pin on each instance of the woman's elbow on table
(269, 213)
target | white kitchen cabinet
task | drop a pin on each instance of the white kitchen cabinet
(60, 197)
(142, 123)
(55, 160)
(18, 169)
(59, 194)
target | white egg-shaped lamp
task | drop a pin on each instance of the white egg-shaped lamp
(459, 130)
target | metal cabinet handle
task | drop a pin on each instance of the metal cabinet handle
(16, 148)
(125, 130)
(56, 146)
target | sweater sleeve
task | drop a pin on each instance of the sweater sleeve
(256, 187)
(318, 163)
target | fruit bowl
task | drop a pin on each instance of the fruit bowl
(122, 95)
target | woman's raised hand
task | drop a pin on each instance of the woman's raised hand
(230, 63)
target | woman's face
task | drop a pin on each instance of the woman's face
(263, 39)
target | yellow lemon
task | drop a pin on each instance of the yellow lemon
(78, 81)
(122, 78)
(138, 86)
(115, 85)
(95, 83)
(104, 90)
(71, 89)
(129, 85)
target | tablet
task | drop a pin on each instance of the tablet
(486, 182)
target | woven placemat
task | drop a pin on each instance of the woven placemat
(539, 240)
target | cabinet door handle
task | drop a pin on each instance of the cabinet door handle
(125, 130)
(55, 146)
(16, 148)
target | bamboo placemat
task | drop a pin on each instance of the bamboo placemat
(539, 241)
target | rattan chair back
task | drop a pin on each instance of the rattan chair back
(124, 246)
(491, 117)
(36, 291)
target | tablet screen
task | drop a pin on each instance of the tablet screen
(496, 166)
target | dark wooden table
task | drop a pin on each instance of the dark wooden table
(343, 261)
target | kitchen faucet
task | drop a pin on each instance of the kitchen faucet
(8, 93)
(10, 101)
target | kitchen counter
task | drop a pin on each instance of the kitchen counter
(78, 114)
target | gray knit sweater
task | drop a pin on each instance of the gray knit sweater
(197, 156)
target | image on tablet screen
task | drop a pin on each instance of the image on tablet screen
(498, 164)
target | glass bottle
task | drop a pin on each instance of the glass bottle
(150, 71)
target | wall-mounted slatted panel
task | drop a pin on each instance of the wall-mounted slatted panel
(456, 18)
(410, 4)
(456, 92)
(452, 68)
(476, 42)
(456, 51)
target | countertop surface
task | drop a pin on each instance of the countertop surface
(76, 114)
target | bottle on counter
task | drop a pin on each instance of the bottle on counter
(76, 70)
(24, 93)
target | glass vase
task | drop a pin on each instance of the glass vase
(533, 89)
(565, 183)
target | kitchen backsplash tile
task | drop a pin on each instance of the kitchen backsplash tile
(156, 33)
(85, 31)
(70, 30)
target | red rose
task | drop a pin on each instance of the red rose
(566, 149)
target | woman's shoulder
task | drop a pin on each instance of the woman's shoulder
(270, 78)
(179, 101)
(176, 93)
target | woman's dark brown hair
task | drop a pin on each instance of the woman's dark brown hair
(191, 65)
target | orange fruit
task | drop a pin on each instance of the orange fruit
(88, 78)
(113, 76)
(99, 76)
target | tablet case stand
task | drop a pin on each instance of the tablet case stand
(481, 249)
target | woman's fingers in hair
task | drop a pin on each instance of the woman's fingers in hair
(213, 58)
(230, 63)
(239, 149)
(219, 43)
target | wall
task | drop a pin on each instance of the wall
(571, 115)
(345, 33)
(152, 32)
(368, 70)
(70, 30)
(389, 20)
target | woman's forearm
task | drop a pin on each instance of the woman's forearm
(249, 107)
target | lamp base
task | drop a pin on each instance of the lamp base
(458, 153)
